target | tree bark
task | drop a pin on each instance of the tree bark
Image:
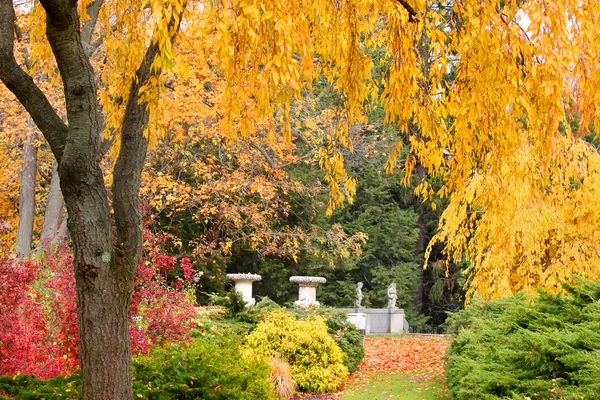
(63, 231)
(54, 210)
(27, 194)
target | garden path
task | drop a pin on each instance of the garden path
(422, 356)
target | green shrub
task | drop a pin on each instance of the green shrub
(27, 387)
(547, 347)
(202, 370)
(315, 358)
(345, 334)
(217, 323)
(233, 302)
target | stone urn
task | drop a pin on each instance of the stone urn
(307, 293)
(243, 285)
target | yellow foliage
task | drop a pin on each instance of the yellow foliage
(315, 358)
(522, 233)
(492, 133)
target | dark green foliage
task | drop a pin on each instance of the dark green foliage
(546, 347)
(233, 302)
(206, 369)
(216, 324)
(27, 387)
(382, 209)
(350, 341)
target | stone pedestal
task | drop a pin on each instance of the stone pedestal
(378, 321)
(307, 293)
(243, 285)
(396, 322)
(359, 320)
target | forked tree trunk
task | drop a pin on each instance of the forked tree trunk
(104, 266)
(27, 193)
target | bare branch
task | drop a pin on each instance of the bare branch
(18, 32)
(91, 49)
(44, 175)
(272, 162)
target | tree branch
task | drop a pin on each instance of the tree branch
(62, 30)
(44, 175)
(412, 13)
(87, 30)
(128, 168)
(24, 88)
(270, 160)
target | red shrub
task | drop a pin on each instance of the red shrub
(38, 314)
(24, 334)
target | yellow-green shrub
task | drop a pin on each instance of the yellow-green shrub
(315, 358)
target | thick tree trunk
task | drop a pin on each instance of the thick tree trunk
(103, 309)
(27, 194)
(104, 268)
(54, 210)
(103, 282)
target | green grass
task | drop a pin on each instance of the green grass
(396, 386)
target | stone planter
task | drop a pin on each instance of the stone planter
(307, 293)
(243, 285)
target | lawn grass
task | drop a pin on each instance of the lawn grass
(396, 385)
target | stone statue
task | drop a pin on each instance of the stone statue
(392, 296)
(359, 295)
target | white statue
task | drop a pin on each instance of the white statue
(392, 296)
(359, 295)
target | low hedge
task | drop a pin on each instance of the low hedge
(201, 370)
(544, 347)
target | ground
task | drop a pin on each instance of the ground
(401, 367)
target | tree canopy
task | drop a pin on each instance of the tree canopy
(485, 92)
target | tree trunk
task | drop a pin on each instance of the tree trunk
(104, 269)
(54, 210)
(27, 194)
(103, 310)
(63, 231)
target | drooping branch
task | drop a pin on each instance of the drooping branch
(24, 88)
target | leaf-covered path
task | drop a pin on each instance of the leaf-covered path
(420, 356)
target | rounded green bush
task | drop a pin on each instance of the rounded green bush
(317, 362)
